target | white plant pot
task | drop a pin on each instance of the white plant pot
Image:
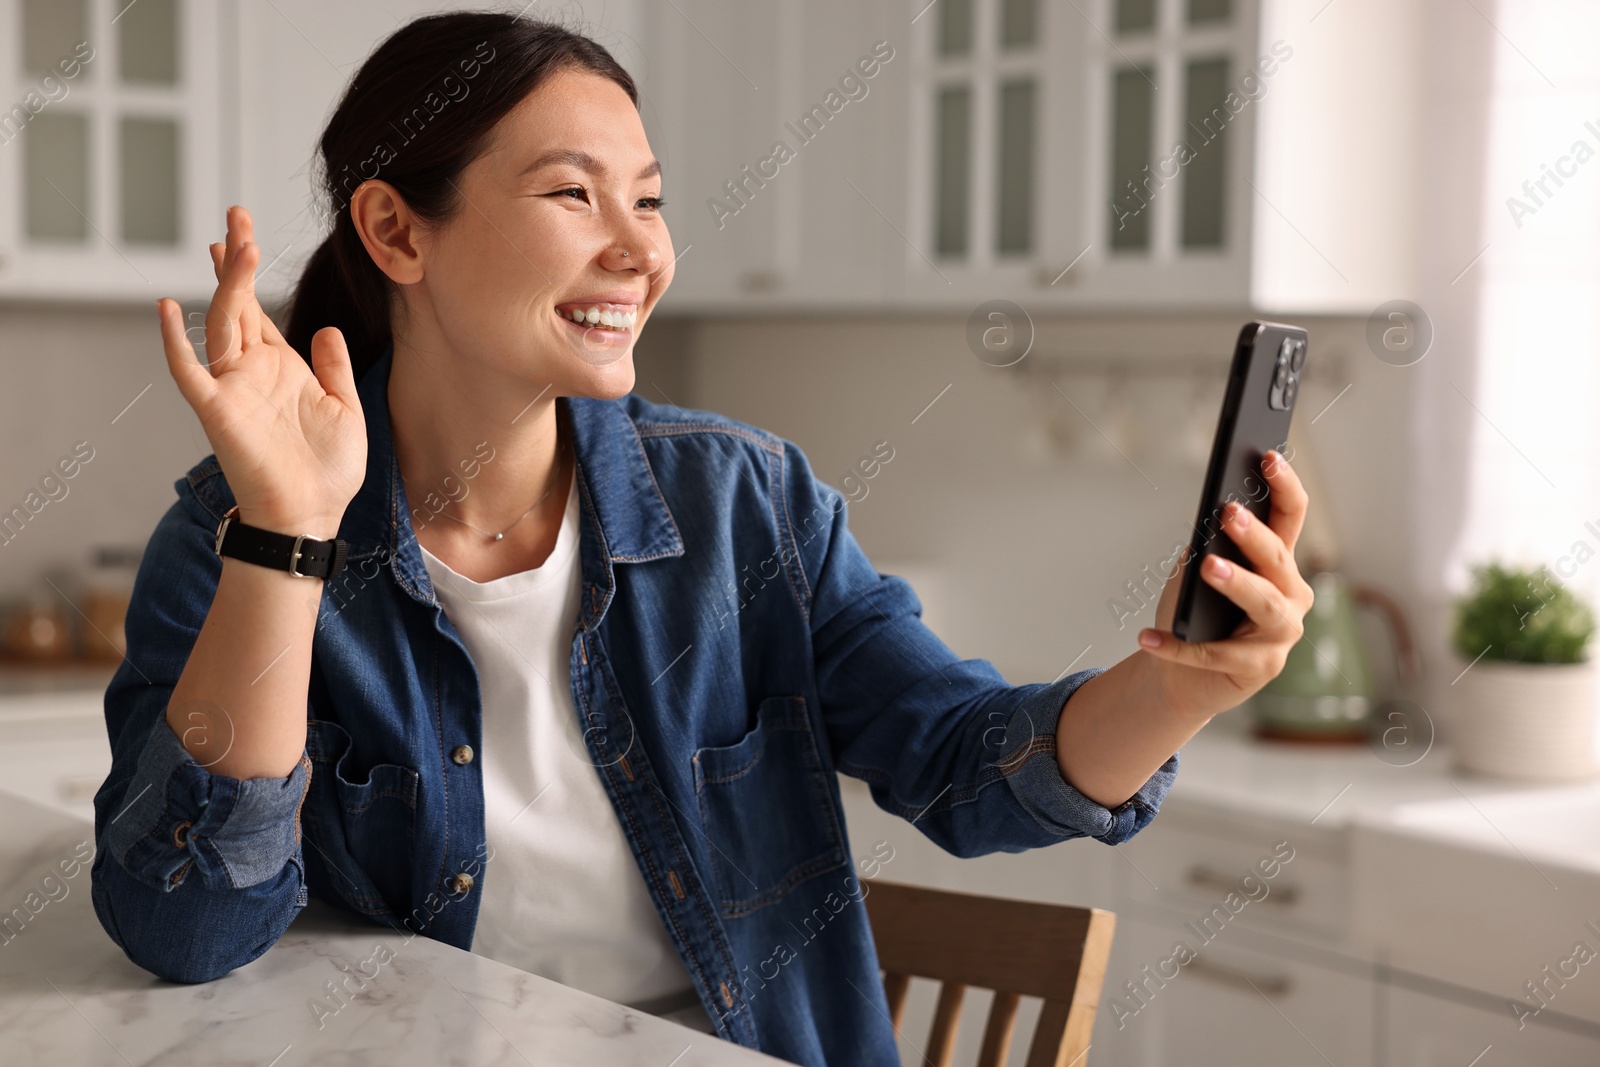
(1530, 721)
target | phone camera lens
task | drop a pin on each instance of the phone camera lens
(1298, 360)
(1280, 376)
(1290, 388)
(1286, 350)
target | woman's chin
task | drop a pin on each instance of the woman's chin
(606, 381)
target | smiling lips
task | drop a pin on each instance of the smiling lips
(604, 316)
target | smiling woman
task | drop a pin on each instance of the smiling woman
(529, 731)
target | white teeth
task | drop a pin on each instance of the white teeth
(597, 316)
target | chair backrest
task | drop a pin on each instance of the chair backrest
(1016, 948)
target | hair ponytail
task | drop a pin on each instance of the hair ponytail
(333, 291)
(419, 110)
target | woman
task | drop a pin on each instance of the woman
(578, 693)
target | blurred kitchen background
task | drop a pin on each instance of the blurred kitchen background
(1009, 242)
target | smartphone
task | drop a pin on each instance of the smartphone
(1268, 362)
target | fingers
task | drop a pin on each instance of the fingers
(230, 328)
(1240, 658)
(193, 378)
(330, 362)
(1266, 604)
(1261, 545)
(270, 332)
(242, 307)
(1289, 498)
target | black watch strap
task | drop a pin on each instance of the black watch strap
(302, 556)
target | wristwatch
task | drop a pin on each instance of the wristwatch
(302, 555)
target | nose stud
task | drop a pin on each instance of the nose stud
(624, 255)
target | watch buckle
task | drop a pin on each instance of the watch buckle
(294, 558)
(222, 527)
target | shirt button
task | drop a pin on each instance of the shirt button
(461, 755)
(461, 883)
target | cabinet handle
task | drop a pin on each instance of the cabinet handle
(1283, 896)
(1269, 986)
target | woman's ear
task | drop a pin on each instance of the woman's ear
(388, 230)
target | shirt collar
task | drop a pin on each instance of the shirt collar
(623, 517)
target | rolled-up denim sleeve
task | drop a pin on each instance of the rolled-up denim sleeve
(195, 873)
(182, 821)
(944, 741)
(1034, 773)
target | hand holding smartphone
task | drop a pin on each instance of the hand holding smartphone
(1263, 383)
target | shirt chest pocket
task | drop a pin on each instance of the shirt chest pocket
(359, 822)
(768, 809)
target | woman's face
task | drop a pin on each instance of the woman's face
(567, 185)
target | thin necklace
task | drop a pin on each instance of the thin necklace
(501, 535)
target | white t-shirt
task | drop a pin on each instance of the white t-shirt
(562, 897)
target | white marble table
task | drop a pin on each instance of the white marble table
(70, 998)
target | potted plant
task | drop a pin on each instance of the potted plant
(1527, 700)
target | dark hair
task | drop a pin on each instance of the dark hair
(468, 69)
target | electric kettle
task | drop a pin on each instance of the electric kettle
(1326, 691)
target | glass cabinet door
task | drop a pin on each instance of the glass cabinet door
(1170, 196)
(980, 82)
(109, 154)
(1089, 151)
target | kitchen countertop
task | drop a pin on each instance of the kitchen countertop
(1333, 786)
(69, 996)
(71, 676)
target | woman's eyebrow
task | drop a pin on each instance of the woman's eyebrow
(584, 161)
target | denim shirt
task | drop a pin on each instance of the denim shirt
(734, 651)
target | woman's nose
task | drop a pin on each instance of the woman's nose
(632, 252)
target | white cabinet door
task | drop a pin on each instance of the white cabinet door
(1428, 1031)
(712, 102)
(111, 153)
(1229, 1005)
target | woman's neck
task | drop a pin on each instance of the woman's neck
(479, 456)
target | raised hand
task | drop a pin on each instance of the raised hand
(1212, 676)
(292, 443)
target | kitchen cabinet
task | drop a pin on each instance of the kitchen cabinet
(1045, 142)
(770, 119)
(1172, 153)
(822, 156)
(1394, 936)
(1260, 907)
(111, 146)
(1433, 1031)
(1231, 1004)
(714, 97)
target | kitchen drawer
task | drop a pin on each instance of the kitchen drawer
(1190, 863)
(1230, 1005)
(1429, 1031)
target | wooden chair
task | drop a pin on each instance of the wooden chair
(1016, 948)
